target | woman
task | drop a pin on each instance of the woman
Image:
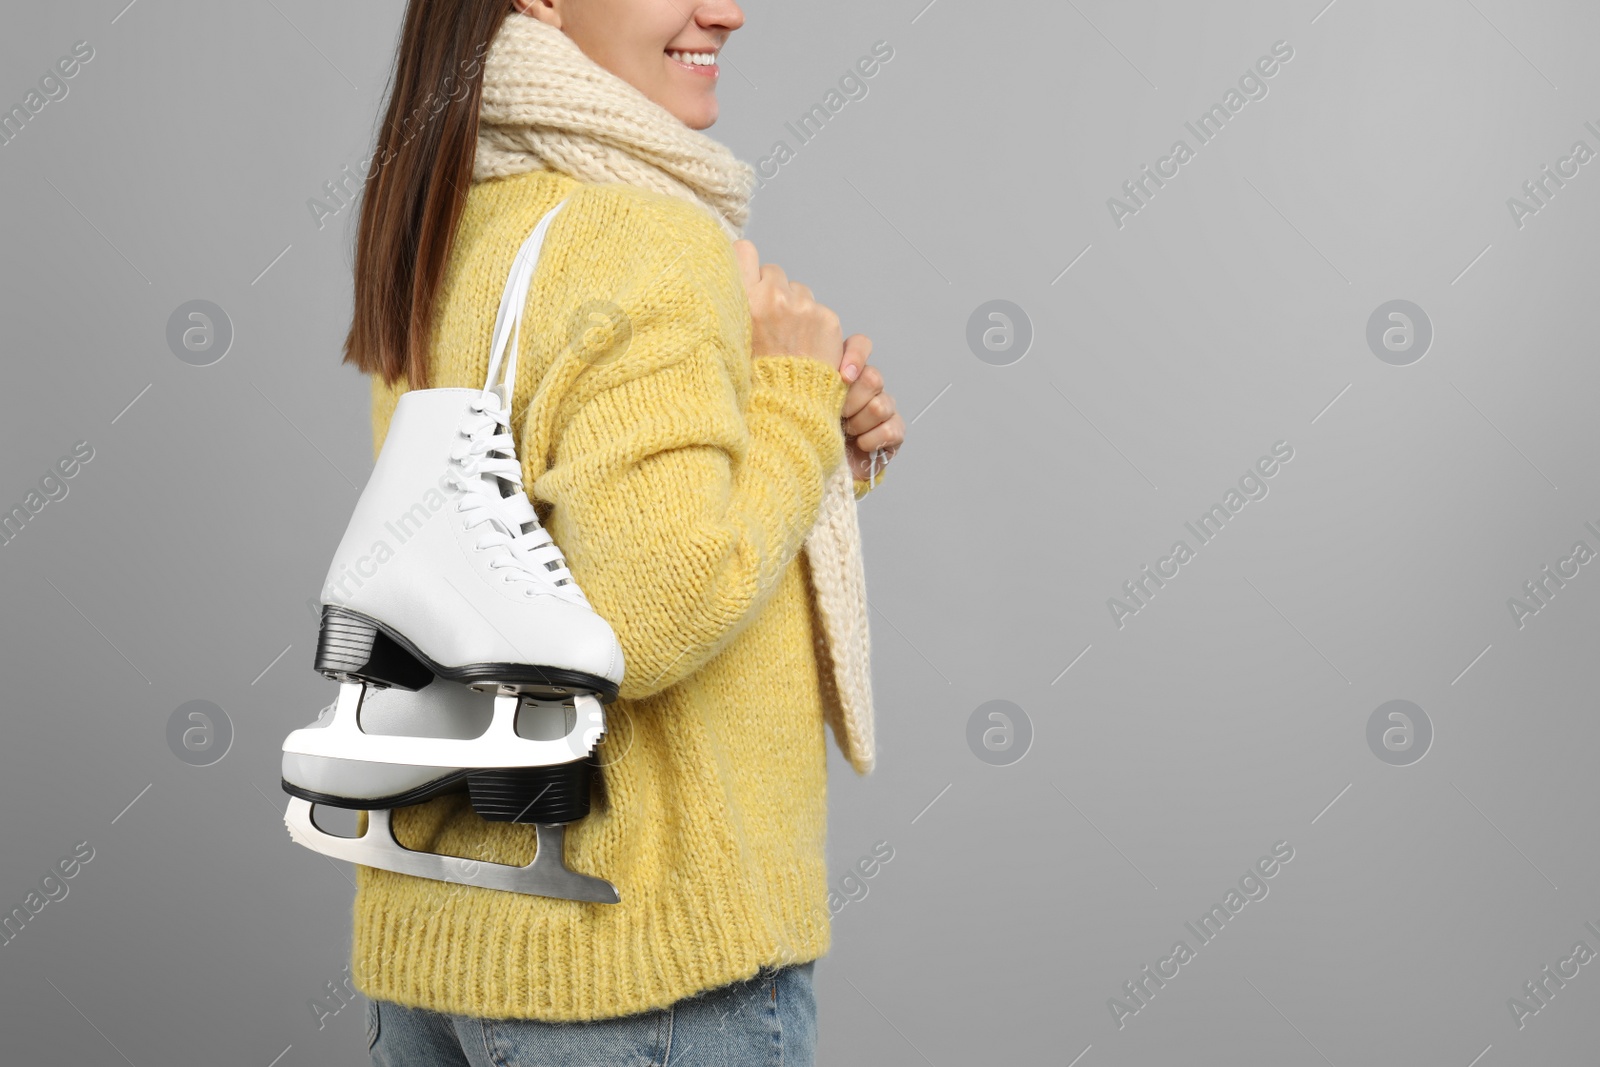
(693, 428)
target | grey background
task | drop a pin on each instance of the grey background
(1229, 714)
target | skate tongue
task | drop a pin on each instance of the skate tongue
(493, 488)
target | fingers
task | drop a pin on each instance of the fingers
(889, 436)
(857, 350)
(785, 317)
(862, 390)
(751, 270)
(875, 412)
(749, 263)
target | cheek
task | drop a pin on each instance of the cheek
(638, 58)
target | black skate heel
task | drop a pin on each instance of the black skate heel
(352, 648)
(549, 795)
(549, 798)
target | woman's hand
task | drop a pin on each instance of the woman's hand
(871, 422)
(785, 320)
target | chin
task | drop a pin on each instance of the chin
(698, 116)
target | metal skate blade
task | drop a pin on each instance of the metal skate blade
(537, 690)
(547, 876)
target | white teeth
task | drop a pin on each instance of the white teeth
(698, 59)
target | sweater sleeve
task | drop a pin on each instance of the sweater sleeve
(682, 489)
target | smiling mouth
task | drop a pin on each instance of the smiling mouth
(696, 62)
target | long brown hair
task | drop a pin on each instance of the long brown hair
(416, 186)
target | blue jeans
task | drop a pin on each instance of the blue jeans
(769, 1020)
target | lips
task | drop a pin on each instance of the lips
(694, 61)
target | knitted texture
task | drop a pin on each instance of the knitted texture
(844, 653)
(547, 106)
(680, 477)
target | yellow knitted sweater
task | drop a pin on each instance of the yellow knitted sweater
(679, 477)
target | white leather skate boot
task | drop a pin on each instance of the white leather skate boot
(446, 573)
(445, 562)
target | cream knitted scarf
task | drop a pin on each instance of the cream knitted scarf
(548, 106)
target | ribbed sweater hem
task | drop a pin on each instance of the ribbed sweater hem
(554, 972)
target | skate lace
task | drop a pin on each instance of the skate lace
(485, 466)
(486, 470)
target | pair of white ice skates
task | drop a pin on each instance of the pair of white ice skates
(466, 655)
